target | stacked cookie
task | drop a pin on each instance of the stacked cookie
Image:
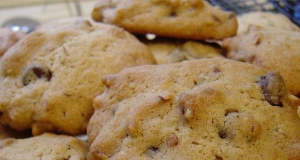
(194, 90)
(172, 50)
(264, 20)
(46, 146)
(204, 109)
(50, 77)
(272, 49)
(192, 22)
(195, 19)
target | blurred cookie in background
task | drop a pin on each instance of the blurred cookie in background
(45, 146)
(194, 20)
(8, 38)
(264, 20)
(271, 48)
(171, 50)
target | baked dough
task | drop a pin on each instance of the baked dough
(47, 146)
(8, 38)
(270, 48)
(264, 20)
(49, 79)
(203, 109)
(170, 50)
(193, 19)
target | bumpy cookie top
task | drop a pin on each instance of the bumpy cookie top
(203, 109)
(194, 19)
(272, 49)
(46, 146)
(49, 79)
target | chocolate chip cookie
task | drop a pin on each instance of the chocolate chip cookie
(203, 109)
(272, 49)
(50, 77)
(193, 19)
(45, 146)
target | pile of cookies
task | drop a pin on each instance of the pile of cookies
(153, 79)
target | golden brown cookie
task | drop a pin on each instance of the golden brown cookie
(8, 38)
(194, 19)
(170, 50)
(49, 79)
(264, 20)
(203, 109)
(272, 49)
(46, 146)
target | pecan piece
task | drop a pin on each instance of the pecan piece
(272, 86)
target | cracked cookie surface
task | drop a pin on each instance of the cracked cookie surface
(203, 109)
(273, 49)
(195, 19)
(49, 79)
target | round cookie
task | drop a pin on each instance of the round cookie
(46, 146)
(212, 108)
(272, 49)
(8, 38)
(49, 78)
(264, 20)
(170, 50)
(196, 19)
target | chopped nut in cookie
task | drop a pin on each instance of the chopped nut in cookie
(239, 126)
(207, 109)
(272, 86)
(172, 140)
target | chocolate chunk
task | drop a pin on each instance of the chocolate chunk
(222, 134)
(173, 14)
(36, 72)
(272, 86)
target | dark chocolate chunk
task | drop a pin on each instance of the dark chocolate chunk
(36, 72)
(222, 134)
